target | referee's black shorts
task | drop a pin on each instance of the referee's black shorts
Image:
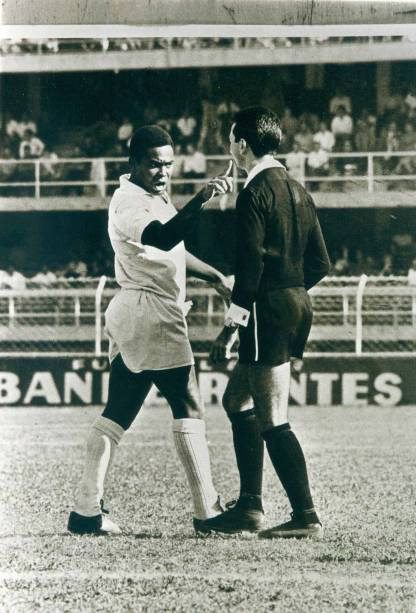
(278, 328)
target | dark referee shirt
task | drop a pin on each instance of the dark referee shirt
(279, 238)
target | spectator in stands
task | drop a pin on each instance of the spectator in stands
(394, 109)
(26, 123)
(194, 167)
(44, 277)
(210, 140)
(317, 163)
(356, 267)
(10, 133)
(289, 125)
(370, 266)
(340, 99)
(98, 177)
(387, 267)
(7, 170)
(389, 141)
(31, 146)
(324, 137)
(76, 269)
(341, 264)
(12, 279)
(11, 126)
(295, 162)
(49, 169)
(304, 138)
(411, 275)
(410, 100)
(124, 132)
(165, 123)
(365, 137)
(102, 135)
(341, 127)
(407, 142)
(186, 128)
(403, 249)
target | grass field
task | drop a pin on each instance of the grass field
(362, 465)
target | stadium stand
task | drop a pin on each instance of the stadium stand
(352, 146)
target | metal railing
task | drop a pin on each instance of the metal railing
(354, 314)
(42, 177)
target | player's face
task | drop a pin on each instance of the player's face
(154, 169)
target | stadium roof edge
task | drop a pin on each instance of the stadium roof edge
(218, 12)
(13, 31)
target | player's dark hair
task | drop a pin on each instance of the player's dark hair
(146, 138)
(260, 128)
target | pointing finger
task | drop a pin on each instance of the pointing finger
(229, 168)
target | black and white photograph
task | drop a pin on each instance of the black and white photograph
(207, 306)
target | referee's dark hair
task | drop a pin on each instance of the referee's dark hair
(260, 128)
(147, 137)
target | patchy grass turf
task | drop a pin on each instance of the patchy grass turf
(362, 465)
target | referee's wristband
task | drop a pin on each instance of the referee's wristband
(237, 316)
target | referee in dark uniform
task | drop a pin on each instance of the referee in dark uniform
(281, 254)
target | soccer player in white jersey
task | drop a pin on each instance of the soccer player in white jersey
(146, 326)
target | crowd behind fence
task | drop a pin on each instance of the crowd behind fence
(353, 315)
(105, 44)
(366, 172)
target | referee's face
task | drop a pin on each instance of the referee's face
(154, 169)
(235, 149)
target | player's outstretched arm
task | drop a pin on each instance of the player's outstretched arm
(201, 270)
(166, 236)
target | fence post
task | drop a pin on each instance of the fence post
(370, 172)
(77, 311)
(102, 176)
(302, 170)
(12, 310)
(98, 296)
(359, 314)
(345, 308)
(37, 179)
(414, 309)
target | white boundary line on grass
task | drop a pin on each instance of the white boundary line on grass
(328, 576)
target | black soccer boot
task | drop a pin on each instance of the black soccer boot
(98, 524)
(246, 515)
(198, 523)
(302, 525)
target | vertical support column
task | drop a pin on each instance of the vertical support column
(383, 75)
(302, 170)
(37, 179)
(98, 296)
(370, 173)
(359, 314)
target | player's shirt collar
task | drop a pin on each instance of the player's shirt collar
(269, 163)
(125, 183)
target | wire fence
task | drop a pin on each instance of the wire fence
(352, 315)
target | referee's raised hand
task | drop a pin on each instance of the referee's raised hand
(222, 184)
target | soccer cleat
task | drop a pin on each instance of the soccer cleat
(246, 515)
(198, 523)
(98, 524)
(305, 525)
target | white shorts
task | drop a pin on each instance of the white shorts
(148, 330)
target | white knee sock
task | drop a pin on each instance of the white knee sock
(192, 449)
(103, 439)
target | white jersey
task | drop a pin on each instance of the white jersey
(145, 321)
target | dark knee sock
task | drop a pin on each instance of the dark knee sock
(289, 463)
(249, 452)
